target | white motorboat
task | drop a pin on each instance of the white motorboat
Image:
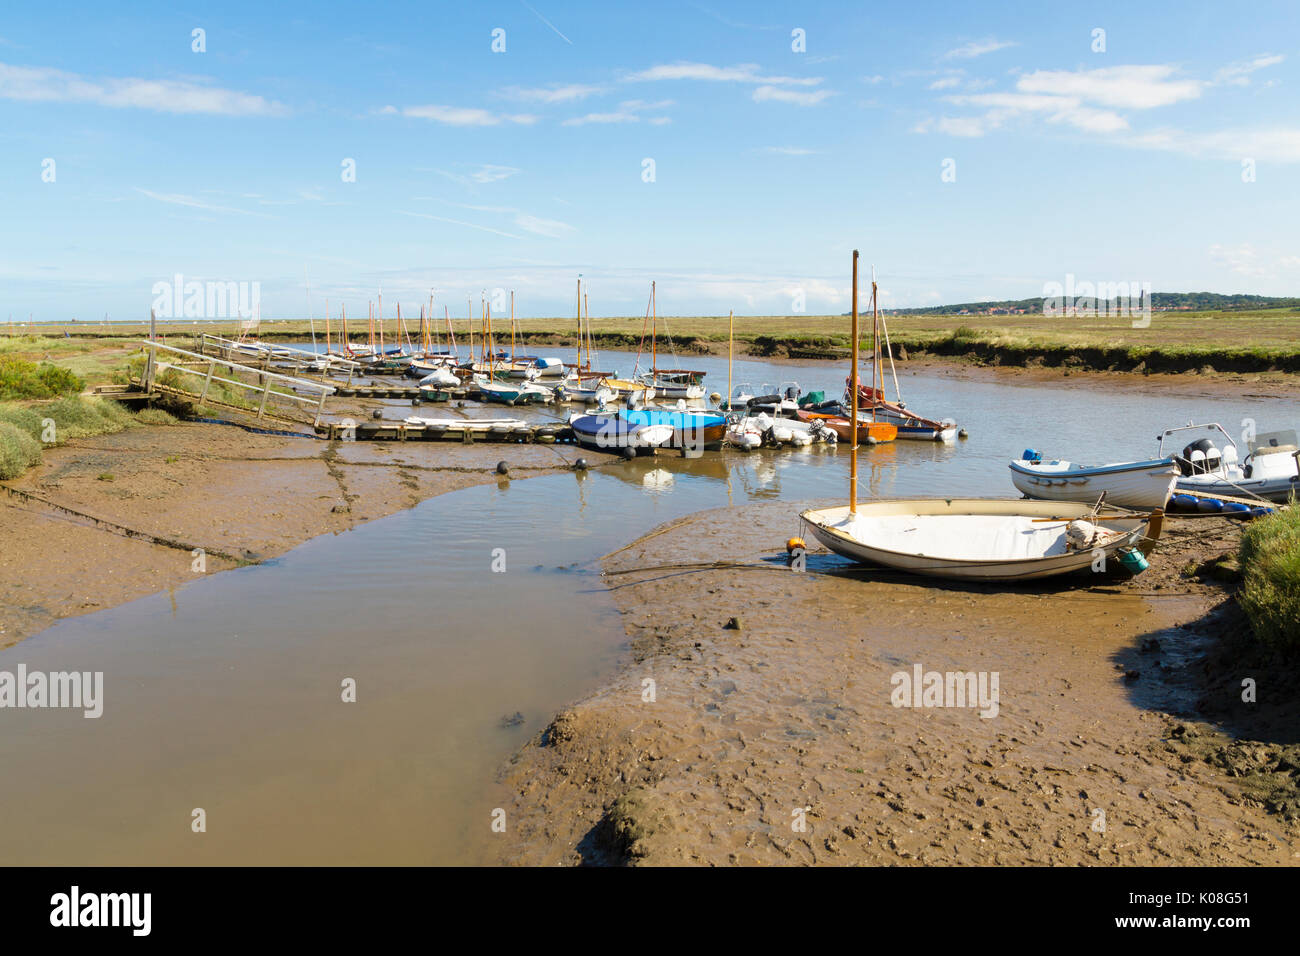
(1130, 484)
(986, 538)
(1209, 464)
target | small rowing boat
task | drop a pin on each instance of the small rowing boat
(1130, 484)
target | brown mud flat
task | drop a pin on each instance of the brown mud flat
(240, 496)
(789, 714)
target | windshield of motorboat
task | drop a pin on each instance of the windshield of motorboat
(1280, 441)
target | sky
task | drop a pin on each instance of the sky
(733, 153)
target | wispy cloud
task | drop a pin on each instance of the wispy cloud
(193, 202)
(775, 94)
(789, 150)
(1238, 74)
(480, 175)
(458, 222)
(538, 226)
(976, 48)
(556, 93)
(1277, 144)
(43, 85)
(460, 115)
(628, 112)
(741, 73)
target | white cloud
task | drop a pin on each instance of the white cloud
(1122, 87)
(977, 48)
(479, 175)
(945, 83)
(1238, 74)
(553, 94)
(742, 73)
(766, 94)
(1277, 145)
(461, 116)
(1242, 259)
(628, 112)
(789, 150)
(42, 85)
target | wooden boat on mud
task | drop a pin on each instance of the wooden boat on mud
(987, 538)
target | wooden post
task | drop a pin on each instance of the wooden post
(212, 365)
(853, 384)
(149, 365)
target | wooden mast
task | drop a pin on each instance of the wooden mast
(579, 365)
(469, 320)
(875, 346)
(853, 419)
(731, 332)
(327, 326)
(512, 327)
(586, 308)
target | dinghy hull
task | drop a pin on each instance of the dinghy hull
(977, 539)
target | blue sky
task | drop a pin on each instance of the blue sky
(521, 169)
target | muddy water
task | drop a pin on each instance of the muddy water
(225, 695)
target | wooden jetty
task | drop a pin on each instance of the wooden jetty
(548, 433)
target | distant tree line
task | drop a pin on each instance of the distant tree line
(1193, 301)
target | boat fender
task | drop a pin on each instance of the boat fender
(503, 468)
(1209, 505)
(1235, 507)
(1032, 456)
(1183, 502)
(794, 544)
(580, 464)
(629, 453)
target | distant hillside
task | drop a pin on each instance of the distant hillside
(1182, 301)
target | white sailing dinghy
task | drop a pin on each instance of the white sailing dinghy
(984, 538)
(978, 538)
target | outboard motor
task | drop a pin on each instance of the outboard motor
(1032, 456)
(1209, 459)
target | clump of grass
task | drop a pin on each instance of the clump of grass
(18, 450)
(22, 379)
(155, 416)
(1270, 594)
(105, 476)
(23, 418)
(83, 417)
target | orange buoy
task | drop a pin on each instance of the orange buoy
(793, 544)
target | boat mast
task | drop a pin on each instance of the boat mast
(327, 325)
(512, 326)
(469, 320)
(579, 367)
(853, 457)
(875, 347)
(586, 308)
(731, 332)
(654, 333)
